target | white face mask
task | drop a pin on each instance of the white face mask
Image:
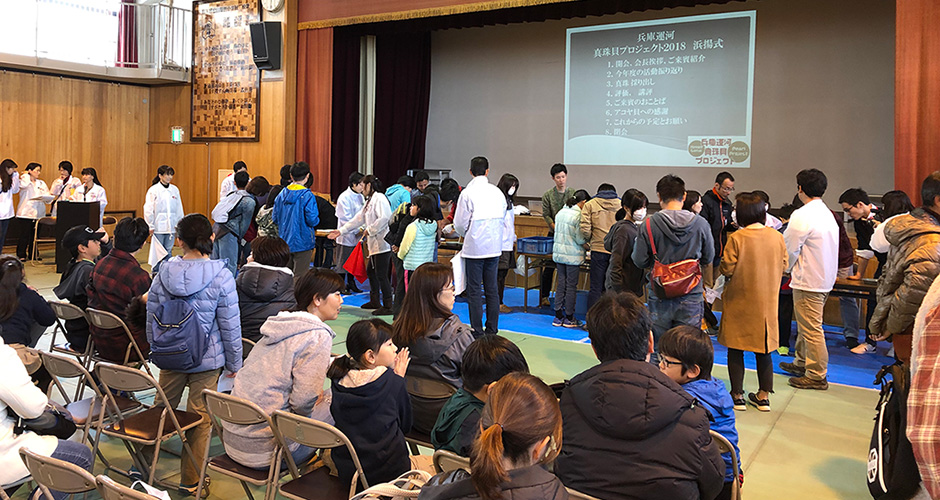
(512, 190)
(639, 215)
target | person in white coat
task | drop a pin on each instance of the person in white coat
(348, 204)
(9, 185)
(31, 209)
(63, 187)
(91, 190)
(227, 185)
(374, 216)
(19, 396)
(163, 209)
(479, 218)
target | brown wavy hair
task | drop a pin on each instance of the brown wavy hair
(521, 411)
(421, 310)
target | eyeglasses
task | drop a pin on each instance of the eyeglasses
(665, 363)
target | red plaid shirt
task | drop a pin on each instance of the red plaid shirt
(923, 404)
(116, 280)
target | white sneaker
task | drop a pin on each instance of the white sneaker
(863, 348)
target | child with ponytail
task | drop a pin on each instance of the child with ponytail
(370, 404)
(520, 431)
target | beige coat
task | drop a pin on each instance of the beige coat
(597, 216)
(754, 260)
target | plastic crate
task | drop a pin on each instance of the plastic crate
(541, 245)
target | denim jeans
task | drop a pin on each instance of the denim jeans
(481, 284)
(566, 288)
(848, 309)
(167, 241)
(599, 263)
(667, 313)
(226, 248)
(74, 453)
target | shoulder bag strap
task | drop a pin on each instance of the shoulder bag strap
(649, 231)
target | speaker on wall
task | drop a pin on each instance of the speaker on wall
(266, 44)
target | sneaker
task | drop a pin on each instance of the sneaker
(504, 309)
(712, 331)
(382, 311)
(792, 369)
(135, 475)
(808, 383)
(739, 403)
(370, 305)
(784, 351)
(851, 342)
(864, 348)
(190, 490)
(760, 404)
(572, 323)
(558, 322)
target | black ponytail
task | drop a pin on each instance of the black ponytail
(579, 196)
(195, 231)
(363, 336)
(163, 170)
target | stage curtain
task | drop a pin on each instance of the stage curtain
(127, 35)
(344, 153)
(917, 94)
(314, 103)
(402, 95)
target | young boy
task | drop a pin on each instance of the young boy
(85, 245)
(484, 362)
(686, 356)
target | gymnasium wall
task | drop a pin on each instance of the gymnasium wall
(823, 97)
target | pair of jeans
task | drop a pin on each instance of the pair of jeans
(599, 263)
(378, 279)
(226, 248)
(667, 313)
(548, 276)
(566, 288)
(848, 309)
(765, 371)
(24, 238)
(482, 284)
(167, 241)
(73, 453)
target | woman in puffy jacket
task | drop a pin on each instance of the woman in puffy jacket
(265, 285)
(210, 289)
(163, 209)
(568, 254)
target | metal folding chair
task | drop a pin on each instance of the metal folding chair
(247, 346)
(150, 427)
(68, 312)
(725, 446)
(317, 484)
(13, 486)
(48, 222)
(426, 389)
(111, 490)
(54, 474)
(225, 408)
(447, 461)
(109, 321)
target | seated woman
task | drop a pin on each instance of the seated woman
(265, 285)
(287, 368)
(24, 316)
(85, 246)
(437, 339)
(521, 431)
(18, 395)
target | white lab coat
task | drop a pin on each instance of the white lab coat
(32, 209)
(479, 216)
(70, 185)
(348, 204)
(163, 208)
(6, 198)
(227, 185)
(96, 193)
(374, 216)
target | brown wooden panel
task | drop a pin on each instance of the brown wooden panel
(327, 13)
(190, 161)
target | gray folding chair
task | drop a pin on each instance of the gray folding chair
(54, 474)
(111, 490)
(247, 346)
(445, 461)
(225, 408)
(109, 321)
(725, 446)
(68, 312)
(150, 427)
(426, 389)
(317, 484)
(48, 222)
(13, 486)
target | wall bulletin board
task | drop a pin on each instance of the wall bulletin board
(226, 83)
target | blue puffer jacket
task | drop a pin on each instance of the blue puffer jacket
(397, 194)
(215, 302)
(296, 217)
(568, 247)
(715, 398)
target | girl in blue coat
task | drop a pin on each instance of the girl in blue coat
(568, 253)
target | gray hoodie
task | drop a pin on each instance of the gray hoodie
(678, 235)
(286, 371)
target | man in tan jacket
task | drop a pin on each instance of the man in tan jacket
(597, 216)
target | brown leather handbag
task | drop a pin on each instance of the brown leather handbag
(673, 280)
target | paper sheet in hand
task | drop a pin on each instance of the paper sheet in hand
(460, 279)
(226, 383)
(713, 294)
(45, 198)
(157, 252)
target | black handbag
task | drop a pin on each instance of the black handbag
(54, 421)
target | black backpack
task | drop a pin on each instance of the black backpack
(892, 470)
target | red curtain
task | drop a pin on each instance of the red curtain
(916, 94)
(344, 153)
(314, 103)
(127, 35)
(402, 95)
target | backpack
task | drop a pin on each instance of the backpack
(179, 342)
(892, 470)
(225, 206)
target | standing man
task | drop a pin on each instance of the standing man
(229, 233)
(597, 216)
(865, 217)
(716, 208)
(678, 235)
(228, 183)
(348, 204)
(479, 215)
(552, 202)
(297, 216)
(812, 238)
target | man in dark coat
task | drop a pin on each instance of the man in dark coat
(716, 209)
(630, 431)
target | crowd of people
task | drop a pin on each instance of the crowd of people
(247, 274)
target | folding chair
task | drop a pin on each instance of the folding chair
(577, 495)
(317, 484)
(725, 446)
(13, 486)
(111, 490)
(109, 321)
(150, 427)
(429, 389)
(247, 346)
(447, 461)
(45, 221)
(54, 474)
(225, 408)
(68, 312)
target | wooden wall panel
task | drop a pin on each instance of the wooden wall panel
(92, 124)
